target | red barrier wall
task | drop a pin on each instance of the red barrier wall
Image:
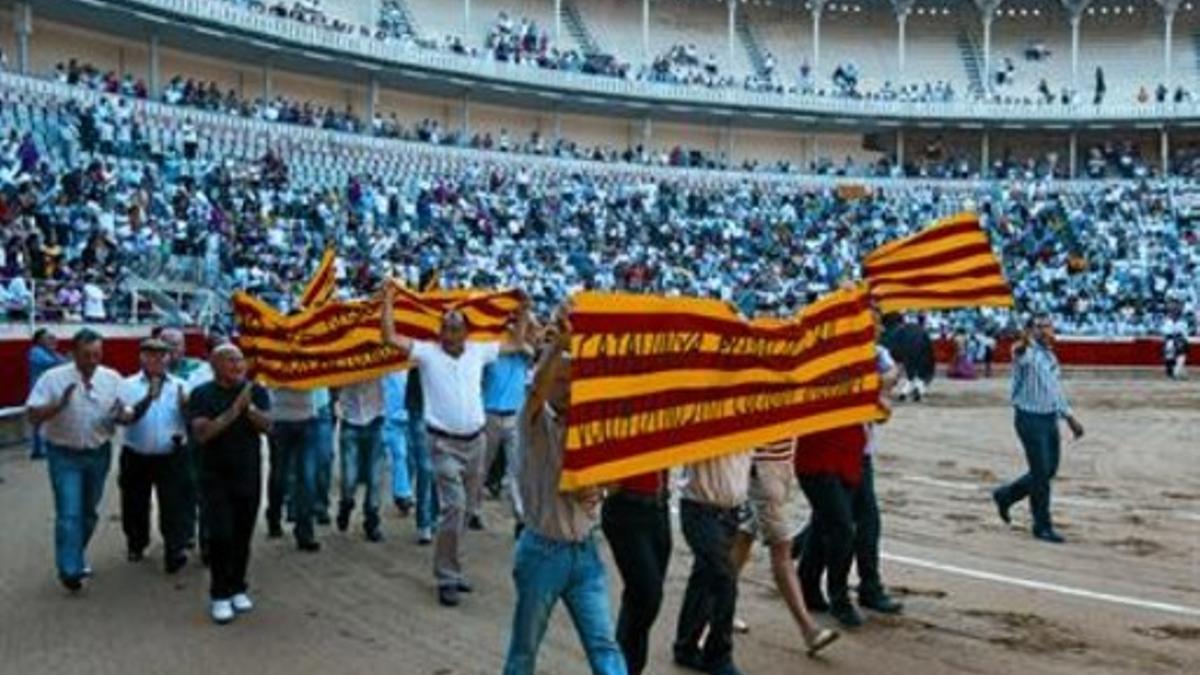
(1084, 351)
(120, 353)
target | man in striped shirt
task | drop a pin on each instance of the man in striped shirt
(1039, 401)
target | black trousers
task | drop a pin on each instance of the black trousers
(162, 475)
(829, 546)
(231, 511)
(639, 535)
(865, 511)
(711, 596)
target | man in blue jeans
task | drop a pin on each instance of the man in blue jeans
(361, 438)
(323, 437)
(420, 462)
(395, 438)
(78, 405)
(556, 555)
(293, 475)
(1039, 402)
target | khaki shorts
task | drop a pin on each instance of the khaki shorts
(772, 486)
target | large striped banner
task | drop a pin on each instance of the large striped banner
(659, 382)
(323, 283)
(948, 265)
(338, 343)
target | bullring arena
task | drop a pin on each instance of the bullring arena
(981, 597)
(165, 164)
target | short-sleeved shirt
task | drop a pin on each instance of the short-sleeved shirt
(549, 512)
(362, 402)
(87, 421)
(234, 455)
(721, 481)
(293, 405)
(395, 386)
(504, 383)
(453, 387)
(157, 431)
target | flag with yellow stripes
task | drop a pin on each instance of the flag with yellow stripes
(659, 382)
(339, 343)
(948, 265)
(321, 286)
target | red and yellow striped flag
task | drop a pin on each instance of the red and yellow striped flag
(948, 265)
(339, 343)
(659, 382)
(323, 283)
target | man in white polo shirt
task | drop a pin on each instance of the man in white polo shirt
(451, 372)
(154, 457)
(77, 405)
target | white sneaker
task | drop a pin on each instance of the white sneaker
(222, 611)
(242, 603)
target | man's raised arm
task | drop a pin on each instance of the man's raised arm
(388, 322)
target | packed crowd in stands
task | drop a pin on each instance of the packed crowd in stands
(1115, 260)
(682, 65)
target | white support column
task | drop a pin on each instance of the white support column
(466, 19)
(732, 30)
(901, 23)
(557, 22)
(1164, 146)
(1075, 20)
(557, 126)
(1168, 34)
(154, 84)
(816, 40)
(985, 148)
(268, 89)
(1073, 150)
(900, 150)
(465, 116)
(646, 31)
(987, 50)
(647, 133)
(23, 23)
(372, 101)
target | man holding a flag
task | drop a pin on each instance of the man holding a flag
(451, 374)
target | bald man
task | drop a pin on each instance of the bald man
(227, 418)
(451, 373)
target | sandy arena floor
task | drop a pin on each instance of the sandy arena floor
(1123, 596)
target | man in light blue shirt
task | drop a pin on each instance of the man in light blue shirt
(395, 432)
(504, 389)
(1039, 401)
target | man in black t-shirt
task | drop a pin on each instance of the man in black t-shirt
(227, 418)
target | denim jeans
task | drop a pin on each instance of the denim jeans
(293, 475)
(545, 570)
(829, 547)
(77, 478)
(1040, 437)
(865, 508)
(420, 464)
(395, 440)
(324, 441)
(362, 462)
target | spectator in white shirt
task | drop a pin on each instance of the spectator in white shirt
(77, 405)
(154, 457)
(361, 439)
(451, 372)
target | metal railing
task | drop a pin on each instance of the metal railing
(575, 84)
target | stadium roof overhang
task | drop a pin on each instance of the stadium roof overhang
(131, 19)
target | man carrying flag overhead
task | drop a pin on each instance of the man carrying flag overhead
(451, 375)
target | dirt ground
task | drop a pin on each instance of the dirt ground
(1122, 596)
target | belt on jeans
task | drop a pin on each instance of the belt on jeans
(709, 507)
(106, 446)
(502, 413)
(659, 500)
(434, 431)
